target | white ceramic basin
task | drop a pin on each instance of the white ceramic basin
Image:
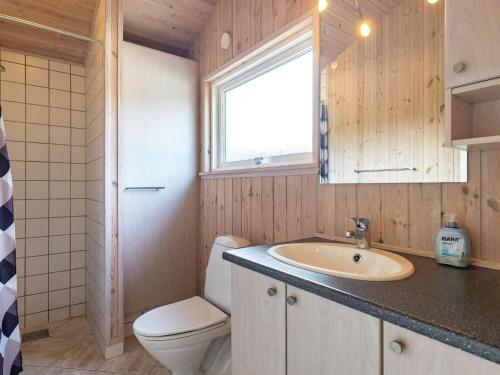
(342, 260)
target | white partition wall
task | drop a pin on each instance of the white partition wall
(158, 184)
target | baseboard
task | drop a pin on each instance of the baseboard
(113, 350)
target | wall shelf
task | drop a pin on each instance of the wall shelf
(474, 115)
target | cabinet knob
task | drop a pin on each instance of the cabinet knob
(459, 67)
(291, 300)
(396, 347)
(271, 292)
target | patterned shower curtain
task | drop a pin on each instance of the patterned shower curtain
(323, 147)
(10, 340)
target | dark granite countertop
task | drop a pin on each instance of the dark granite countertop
(459, 307)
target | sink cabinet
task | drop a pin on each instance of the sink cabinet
(324, 337)
(409, 353)
(258, 324)
(279, 329)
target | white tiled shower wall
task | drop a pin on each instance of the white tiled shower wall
(44, 111)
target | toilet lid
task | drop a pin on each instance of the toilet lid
(188, 315)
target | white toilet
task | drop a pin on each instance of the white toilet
(192, 337)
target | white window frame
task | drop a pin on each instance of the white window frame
(279, 51)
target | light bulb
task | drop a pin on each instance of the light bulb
(365, 29)
(432, 1)
(322, 5)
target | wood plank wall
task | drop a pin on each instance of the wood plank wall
(273, 209)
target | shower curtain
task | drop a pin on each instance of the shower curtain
(323, 146)
(10, 340)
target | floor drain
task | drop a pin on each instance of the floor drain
(35, 335)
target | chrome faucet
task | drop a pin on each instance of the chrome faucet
(362, 232)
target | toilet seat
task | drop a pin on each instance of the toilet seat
(190, 316)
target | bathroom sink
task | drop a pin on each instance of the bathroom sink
(344, 260)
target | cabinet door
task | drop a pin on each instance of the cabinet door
(410, 353)
(326, 338)
(472, 38)
(258, 323)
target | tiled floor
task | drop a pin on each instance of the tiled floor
(71, 349)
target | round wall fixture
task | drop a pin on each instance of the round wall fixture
(225, 40)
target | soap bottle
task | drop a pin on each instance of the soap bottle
(453, 244)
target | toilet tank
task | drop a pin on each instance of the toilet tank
(218, 275)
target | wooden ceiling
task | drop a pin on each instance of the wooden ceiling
(340, 21)
(70, 15)
(169, 25)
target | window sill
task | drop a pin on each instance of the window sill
(263, 171)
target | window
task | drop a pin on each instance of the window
(262, 112)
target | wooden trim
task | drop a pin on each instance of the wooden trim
(294, 170)
(119, 320)
(114, 322)
(406, 250)
(310, 18)
(316, 82)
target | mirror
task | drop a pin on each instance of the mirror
(382, 96)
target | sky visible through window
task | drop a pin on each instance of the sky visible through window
(272, 115)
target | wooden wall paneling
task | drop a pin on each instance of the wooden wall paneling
(200, 259)
(369, 206)
(213, 42)
(268, 209)
(465, 201)
(395, 214)
(228, 206)
(307, 5)
(280, 209)
(416, 90)
(256, 20)
(431, 93)
(490, 206)
(221, 215)
(256, 236)
(246, 208)
(242, 30)
(212, 215)
(226, 26)
(267, 18)
(326, 209)
(237, 204)
(293, 10)
(403, 101)
(279, 13)
(345, 207)
(293, 207)
(424, 217)
(309, 205)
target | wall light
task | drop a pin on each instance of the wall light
(365, 29)
(322, 5)
(432, 1)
